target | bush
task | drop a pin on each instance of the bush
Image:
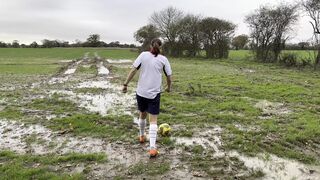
(289, 60)
(292, 60)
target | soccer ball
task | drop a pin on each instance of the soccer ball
(164, 129)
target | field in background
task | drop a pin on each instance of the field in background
(44, 61)
(262, 108)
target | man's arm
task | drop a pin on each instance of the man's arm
(169, 83)
(129, 78)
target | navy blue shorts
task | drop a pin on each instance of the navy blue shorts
(151, 106)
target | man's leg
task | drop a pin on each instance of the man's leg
(153, 131)
(153, 109)
(142, 106)
(142, 124)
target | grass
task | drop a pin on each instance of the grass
(225, 92)
(14, 166)
(205, 93)
(11, 112)
(215, 167)
(220, 92)
(87, 70)
(55, 104)
(150, 168)
(114, 128)
(46, 61)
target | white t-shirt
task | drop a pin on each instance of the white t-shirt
(150, 79)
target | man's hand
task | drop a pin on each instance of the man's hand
(167, 89)
(130, 76)
(125, 89)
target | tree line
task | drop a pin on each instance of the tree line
(92, 41)
(187, 34)
(270, 28)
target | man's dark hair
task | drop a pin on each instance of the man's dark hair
(155, 46)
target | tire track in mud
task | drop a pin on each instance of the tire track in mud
(14, 135)
(65, 73)
(102, 70)
(71, 69)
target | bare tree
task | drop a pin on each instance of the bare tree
(284, 18)
(166, 21)
(216, 36)
(269, 30)
(145, 35)
(312, 7)
(189, 37)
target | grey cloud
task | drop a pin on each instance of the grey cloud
(112, 19)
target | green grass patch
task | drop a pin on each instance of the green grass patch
(111, 127)
(210, 167)
(150, 168)
(55, 104)
(11, 113)
(14, 166)
(206, 92)
(87, 70)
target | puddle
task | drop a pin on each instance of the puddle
(119, 61)
(272, 108)
(208, 139)
(99, 84)
(104, 103)
(51, 116)
(86, 57)
(65, 61)
(70, 71)
(66, 75)
(112, 102)
(35, 85)
(12, 134)
(278, 168)
(45, 141)
(247, 128)
(58, 80)
(73, 68)
(102, 70)
(273, 166)
(232, 113)
(86, 66)
(248, 70)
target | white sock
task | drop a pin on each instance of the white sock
(153, 135)
(142, 125)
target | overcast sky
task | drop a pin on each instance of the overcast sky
(29, 20)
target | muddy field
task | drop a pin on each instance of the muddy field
(79, 118)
